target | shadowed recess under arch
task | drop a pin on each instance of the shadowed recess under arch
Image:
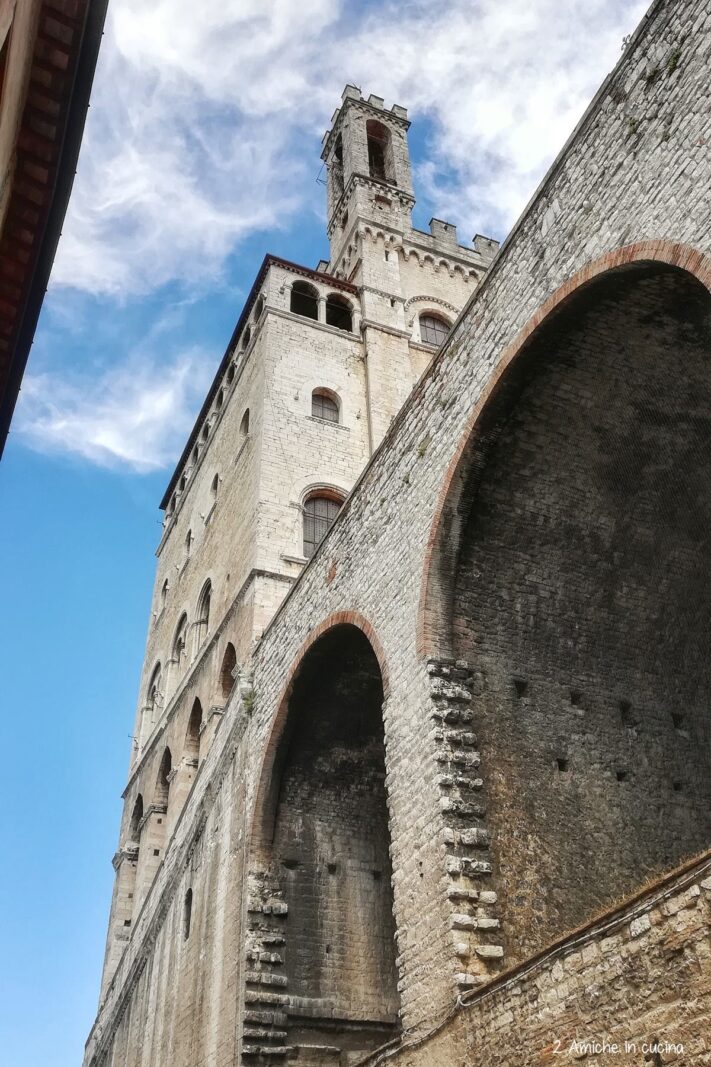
(575, 585)
(321, 845)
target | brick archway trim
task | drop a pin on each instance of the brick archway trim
(276, 730)
(431, 636)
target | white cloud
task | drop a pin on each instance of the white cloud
(195, 136)
(136, 415)
(204, 128)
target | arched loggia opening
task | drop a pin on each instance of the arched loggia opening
(574, 576)
(322, 843)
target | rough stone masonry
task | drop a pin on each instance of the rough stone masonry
(421, 762)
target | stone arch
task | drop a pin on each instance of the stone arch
(191, 748)
(433, 607)
(228, 673)
(319, 843)
(161, 793)
(577, 512)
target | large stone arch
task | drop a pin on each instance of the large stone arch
(432, 634)
(569, 569)
(321, 924)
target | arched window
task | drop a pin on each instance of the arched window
(433, 330)
(336, 168)
(179, 639)
(304, 300)
(192, 737)
(244, 425)
(258, 308)
(324, 405)
(134, 827)
(379, 151)
(339, 313)
(206, 431)
(196, 454)
(215, 486)
(173, 501)
(181, 486)
(230, 373)
(154, 696)
(163, 593)
(187, 914)
(220, 399)
(246, 338)
(162, 794)
(189, 542)
(227, 671)
(319, 512)
(203, 615)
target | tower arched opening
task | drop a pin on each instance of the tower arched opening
(322, 838)
(304, 300)
(380, 154)
(339, 312)
(572, 576)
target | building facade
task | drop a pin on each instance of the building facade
(439, 793)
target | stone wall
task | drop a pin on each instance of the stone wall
(633, 988)
(579, 596)
(631, 186)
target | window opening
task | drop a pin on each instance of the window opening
(324, 406)
(433, 330)
(319, 515)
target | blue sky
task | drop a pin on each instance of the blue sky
(201, 154)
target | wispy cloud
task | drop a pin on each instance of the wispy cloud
(196, 132)
(203, 131)
(135, 415)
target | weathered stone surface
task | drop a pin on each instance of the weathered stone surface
(553, 568)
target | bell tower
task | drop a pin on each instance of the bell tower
(368, 163)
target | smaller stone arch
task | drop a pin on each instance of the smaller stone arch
(331, 712)
(228, 672)
(192, 735)
(136, 821)
(161, 793)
